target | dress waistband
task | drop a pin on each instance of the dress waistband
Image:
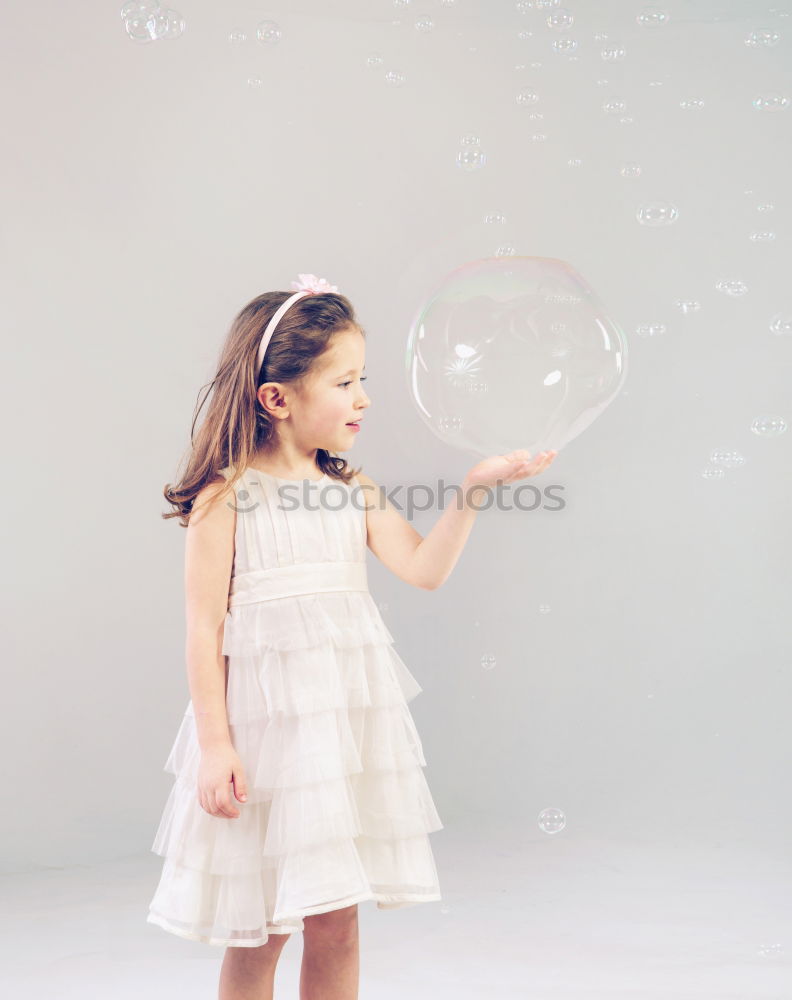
(299, 578)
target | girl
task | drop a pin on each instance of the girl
(299, 790)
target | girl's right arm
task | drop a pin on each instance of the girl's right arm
(209, 556)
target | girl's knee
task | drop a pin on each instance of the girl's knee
(338, 925)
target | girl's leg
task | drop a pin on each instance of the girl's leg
(331, 955)
(249, 973)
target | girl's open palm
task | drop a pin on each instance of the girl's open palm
(220, 775)
(508, 468)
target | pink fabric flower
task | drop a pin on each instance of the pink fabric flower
(310, 283)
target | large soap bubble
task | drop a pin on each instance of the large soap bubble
(513, 352)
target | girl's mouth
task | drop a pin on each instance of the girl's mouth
(355, 427)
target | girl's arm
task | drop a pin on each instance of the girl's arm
(209, 556)
(427, 562)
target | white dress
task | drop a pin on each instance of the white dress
(338, 807)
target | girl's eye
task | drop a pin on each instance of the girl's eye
(363, 379)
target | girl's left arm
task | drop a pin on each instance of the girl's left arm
(427, 562)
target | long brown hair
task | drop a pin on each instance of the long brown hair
(236, 426)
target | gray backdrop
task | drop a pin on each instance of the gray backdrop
(151, 191)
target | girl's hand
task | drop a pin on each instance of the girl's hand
(508, 468)
(219, 774)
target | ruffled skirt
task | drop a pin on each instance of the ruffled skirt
(338, 808)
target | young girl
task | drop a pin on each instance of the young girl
(299, 790)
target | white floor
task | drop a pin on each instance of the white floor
(524, 914)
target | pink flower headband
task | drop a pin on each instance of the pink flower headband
(308, 284)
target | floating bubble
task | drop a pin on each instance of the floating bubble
(691, 104)
(532, 332)
(471, 158)
(728, 459)
(269, 32)
(687, 306)
(574, 162)
(769, 426)
(424, 24)
(506, 250)
(630, 170)
(544, 609)
(613, 53)
(765, 38)
(650, 329)
(373, 61)
(551, 820)
(395, 78)
(564, 46)
(147, 22)
(733, 288)
(713, 472)
(488, 661)
(526, 98)
(657, 214)
(781, 324)
(561, 19)
(771, 102)
(761, 237)
(495, 219)
(653, 17)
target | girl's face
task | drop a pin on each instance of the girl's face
(333, 395)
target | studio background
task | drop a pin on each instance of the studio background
(640, 634)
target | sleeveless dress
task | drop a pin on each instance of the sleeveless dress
(338, 808)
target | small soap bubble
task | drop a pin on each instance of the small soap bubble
(561, 19)
(713, 472)
(237, 36)
(650, 329)
(495, 219)
(652, 17)
(781, 324)
(771, 102)
(728, 459)
(614, 106)
(630, 170)
(506, 251)
(691, 104)
(373, 61)
(769, 426)
(488, 661)
(269, 32)
(254, 82)
(544, 609)
(526, 98)
(657, 213)
(576, 162)
(565, 46)
(764, 236)
(765, 38)
(551, 820)
(424, 24)
(471, 158)
(733, 288)
(395, 78)
(765, 206)
(613, 53)
(687, 306)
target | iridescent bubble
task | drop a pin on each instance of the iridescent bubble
(395, 78)
(561, 19)
(526, 98)
(766, 38)
(613, 53)
(269, 32)
(691, 104)
(761, 237)
(523, 6)
(771, 102)
(614, 106)
(650, 329)
(470, 139)
(537, 137)
(551, 820)
(653, 17)
(564, 46)
(401, 3)
(424, 24)
(630, 170)
(373, 61)
(471, 158)
(657, 213)
(522, 35)
(533, 332)
(546, 4)
(769, 426)
(712, 472)
(507, 250)
(766, 206)
(447, 3)
(145, 22)
(687, 306)
(728, 459)
(544, 609)
(255, 82)
(488, 661)
(732, 287)
(781, 324)
(237, 36)
(495, 219)
(576, 162)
